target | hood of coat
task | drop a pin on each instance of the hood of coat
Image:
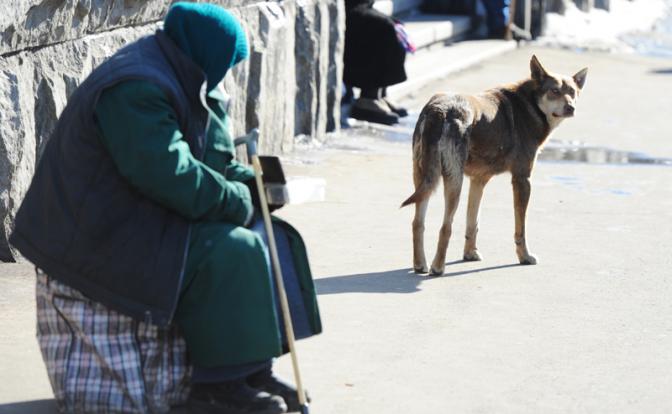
(209, 35)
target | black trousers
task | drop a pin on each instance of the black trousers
(373, 56)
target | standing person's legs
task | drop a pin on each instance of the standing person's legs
(348, 95)
(373, 59)
(372, 108)
(497, 17)
(370, 93)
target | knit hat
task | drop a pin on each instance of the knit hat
(211, 36)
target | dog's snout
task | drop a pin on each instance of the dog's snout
(569, 109)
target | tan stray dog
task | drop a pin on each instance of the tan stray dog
(481, 136)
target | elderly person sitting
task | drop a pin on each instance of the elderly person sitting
(137, 203)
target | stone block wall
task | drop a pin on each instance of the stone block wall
(289, 86)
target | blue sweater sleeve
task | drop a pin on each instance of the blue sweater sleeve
(139, 129)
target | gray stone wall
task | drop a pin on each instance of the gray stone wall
(289, 86)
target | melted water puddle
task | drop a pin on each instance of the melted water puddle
(583, 153)
(553, 151)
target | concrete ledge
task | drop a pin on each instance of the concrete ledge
(436, 63)
(427, 29)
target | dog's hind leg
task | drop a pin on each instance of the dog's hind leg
(419, 261)
(476, 186)
(452, 186)
(521, 197)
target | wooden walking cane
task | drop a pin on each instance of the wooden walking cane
(251, 140)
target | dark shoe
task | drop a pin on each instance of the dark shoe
(266, 381)
(233, 397)
(373, 110)
(401, 112)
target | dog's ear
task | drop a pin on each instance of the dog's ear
(580, 77)
(538, 71)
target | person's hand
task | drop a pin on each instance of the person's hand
(245, 207)
(254, 195)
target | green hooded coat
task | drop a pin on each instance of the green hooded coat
(226, 309)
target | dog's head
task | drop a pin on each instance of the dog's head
(557, 94)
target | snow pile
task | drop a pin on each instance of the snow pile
(629, 26)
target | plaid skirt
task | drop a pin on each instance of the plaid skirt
(104, 362)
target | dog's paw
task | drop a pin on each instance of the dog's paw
(472, 256)
(436, 272)
(528, 260)
(420, 269)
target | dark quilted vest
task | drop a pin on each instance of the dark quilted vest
(82, 223)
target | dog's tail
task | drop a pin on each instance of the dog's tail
(421, 193)
(426, 154)
(439, 144)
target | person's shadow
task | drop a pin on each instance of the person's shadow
(30, 407)
(390, 281)
(49, 407)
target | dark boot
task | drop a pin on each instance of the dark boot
(233, 397)
(266, 381)
(400, 111)
(373, 110)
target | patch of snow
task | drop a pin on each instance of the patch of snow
(622, 29)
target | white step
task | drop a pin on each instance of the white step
(427, 29)
(438, 62)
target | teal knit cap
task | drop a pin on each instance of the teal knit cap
(211, 36)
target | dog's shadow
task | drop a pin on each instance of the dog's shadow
(391, 281)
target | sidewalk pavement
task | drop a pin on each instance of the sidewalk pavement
(588, 329)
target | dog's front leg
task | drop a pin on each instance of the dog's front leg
(521, 197)
(476, 187)
(452, 186)
(419, 261)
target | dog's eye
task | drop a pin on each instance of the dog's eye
(555, 91)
